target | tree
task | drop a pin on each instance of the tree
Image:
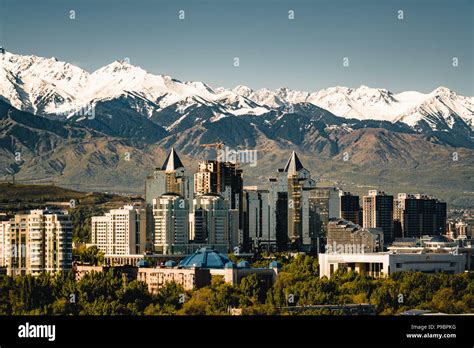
(91, 255)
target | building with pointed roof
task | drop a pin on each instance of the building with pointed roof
(170, 177)
(172, 162)
(293, 165)
(288, 191)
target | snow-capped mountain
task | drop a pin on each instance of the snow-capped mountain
(47, 86)
(37, 84)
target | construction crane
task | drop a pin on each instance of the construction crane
(217, 146)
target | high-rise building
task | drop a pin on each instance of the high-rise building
(120, 231)
(257, 234)
(350, 208)
(213, 222)
(231, 182)
(40, 241)
(324, 204)
(170, 177)
(418, 215)
(171, 216)
(287, 196)
(378, 213)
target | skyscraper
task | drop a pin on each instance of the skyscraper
(171, 177)
(257, 234)
(378, 213)
(40, 241)
(324, 204)
(171, 215)
(287, 196)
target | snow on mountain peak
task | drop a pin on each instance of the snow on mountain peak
(47, 85)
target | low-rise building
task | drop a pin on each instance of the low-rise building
(438, 245)
(189, 279)
(194, 271)
(386, 263)
(220, 265)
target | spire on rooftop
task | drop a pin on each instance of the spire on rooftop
(172, 162)
(294, 164)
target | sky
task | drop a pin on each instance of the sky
(304, 53)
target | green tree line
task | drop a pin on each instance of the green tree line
(111, 293)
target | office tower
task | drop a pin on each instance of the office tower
(287, 197)
(213, 224)
(171, 216)
(418, 215)
(120, 231)
(170, 177)
(350, 208)
(378, 213)
(257, 235)
(324, 204)
(40, 241)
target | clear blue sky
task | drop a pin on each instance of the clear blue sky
(305, 53)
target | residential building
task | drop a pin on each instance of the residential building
(40, 241)
(120, 231)
(418, 215)
(171, 217)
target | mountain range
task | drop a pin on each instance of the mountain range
(91, 130)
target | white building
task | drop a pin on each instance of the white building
(37, 242)
(386, 263)
(120, 231)
(171, 214)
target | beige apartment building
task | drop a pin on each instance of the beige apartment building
(120, 231)
(40, 241)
